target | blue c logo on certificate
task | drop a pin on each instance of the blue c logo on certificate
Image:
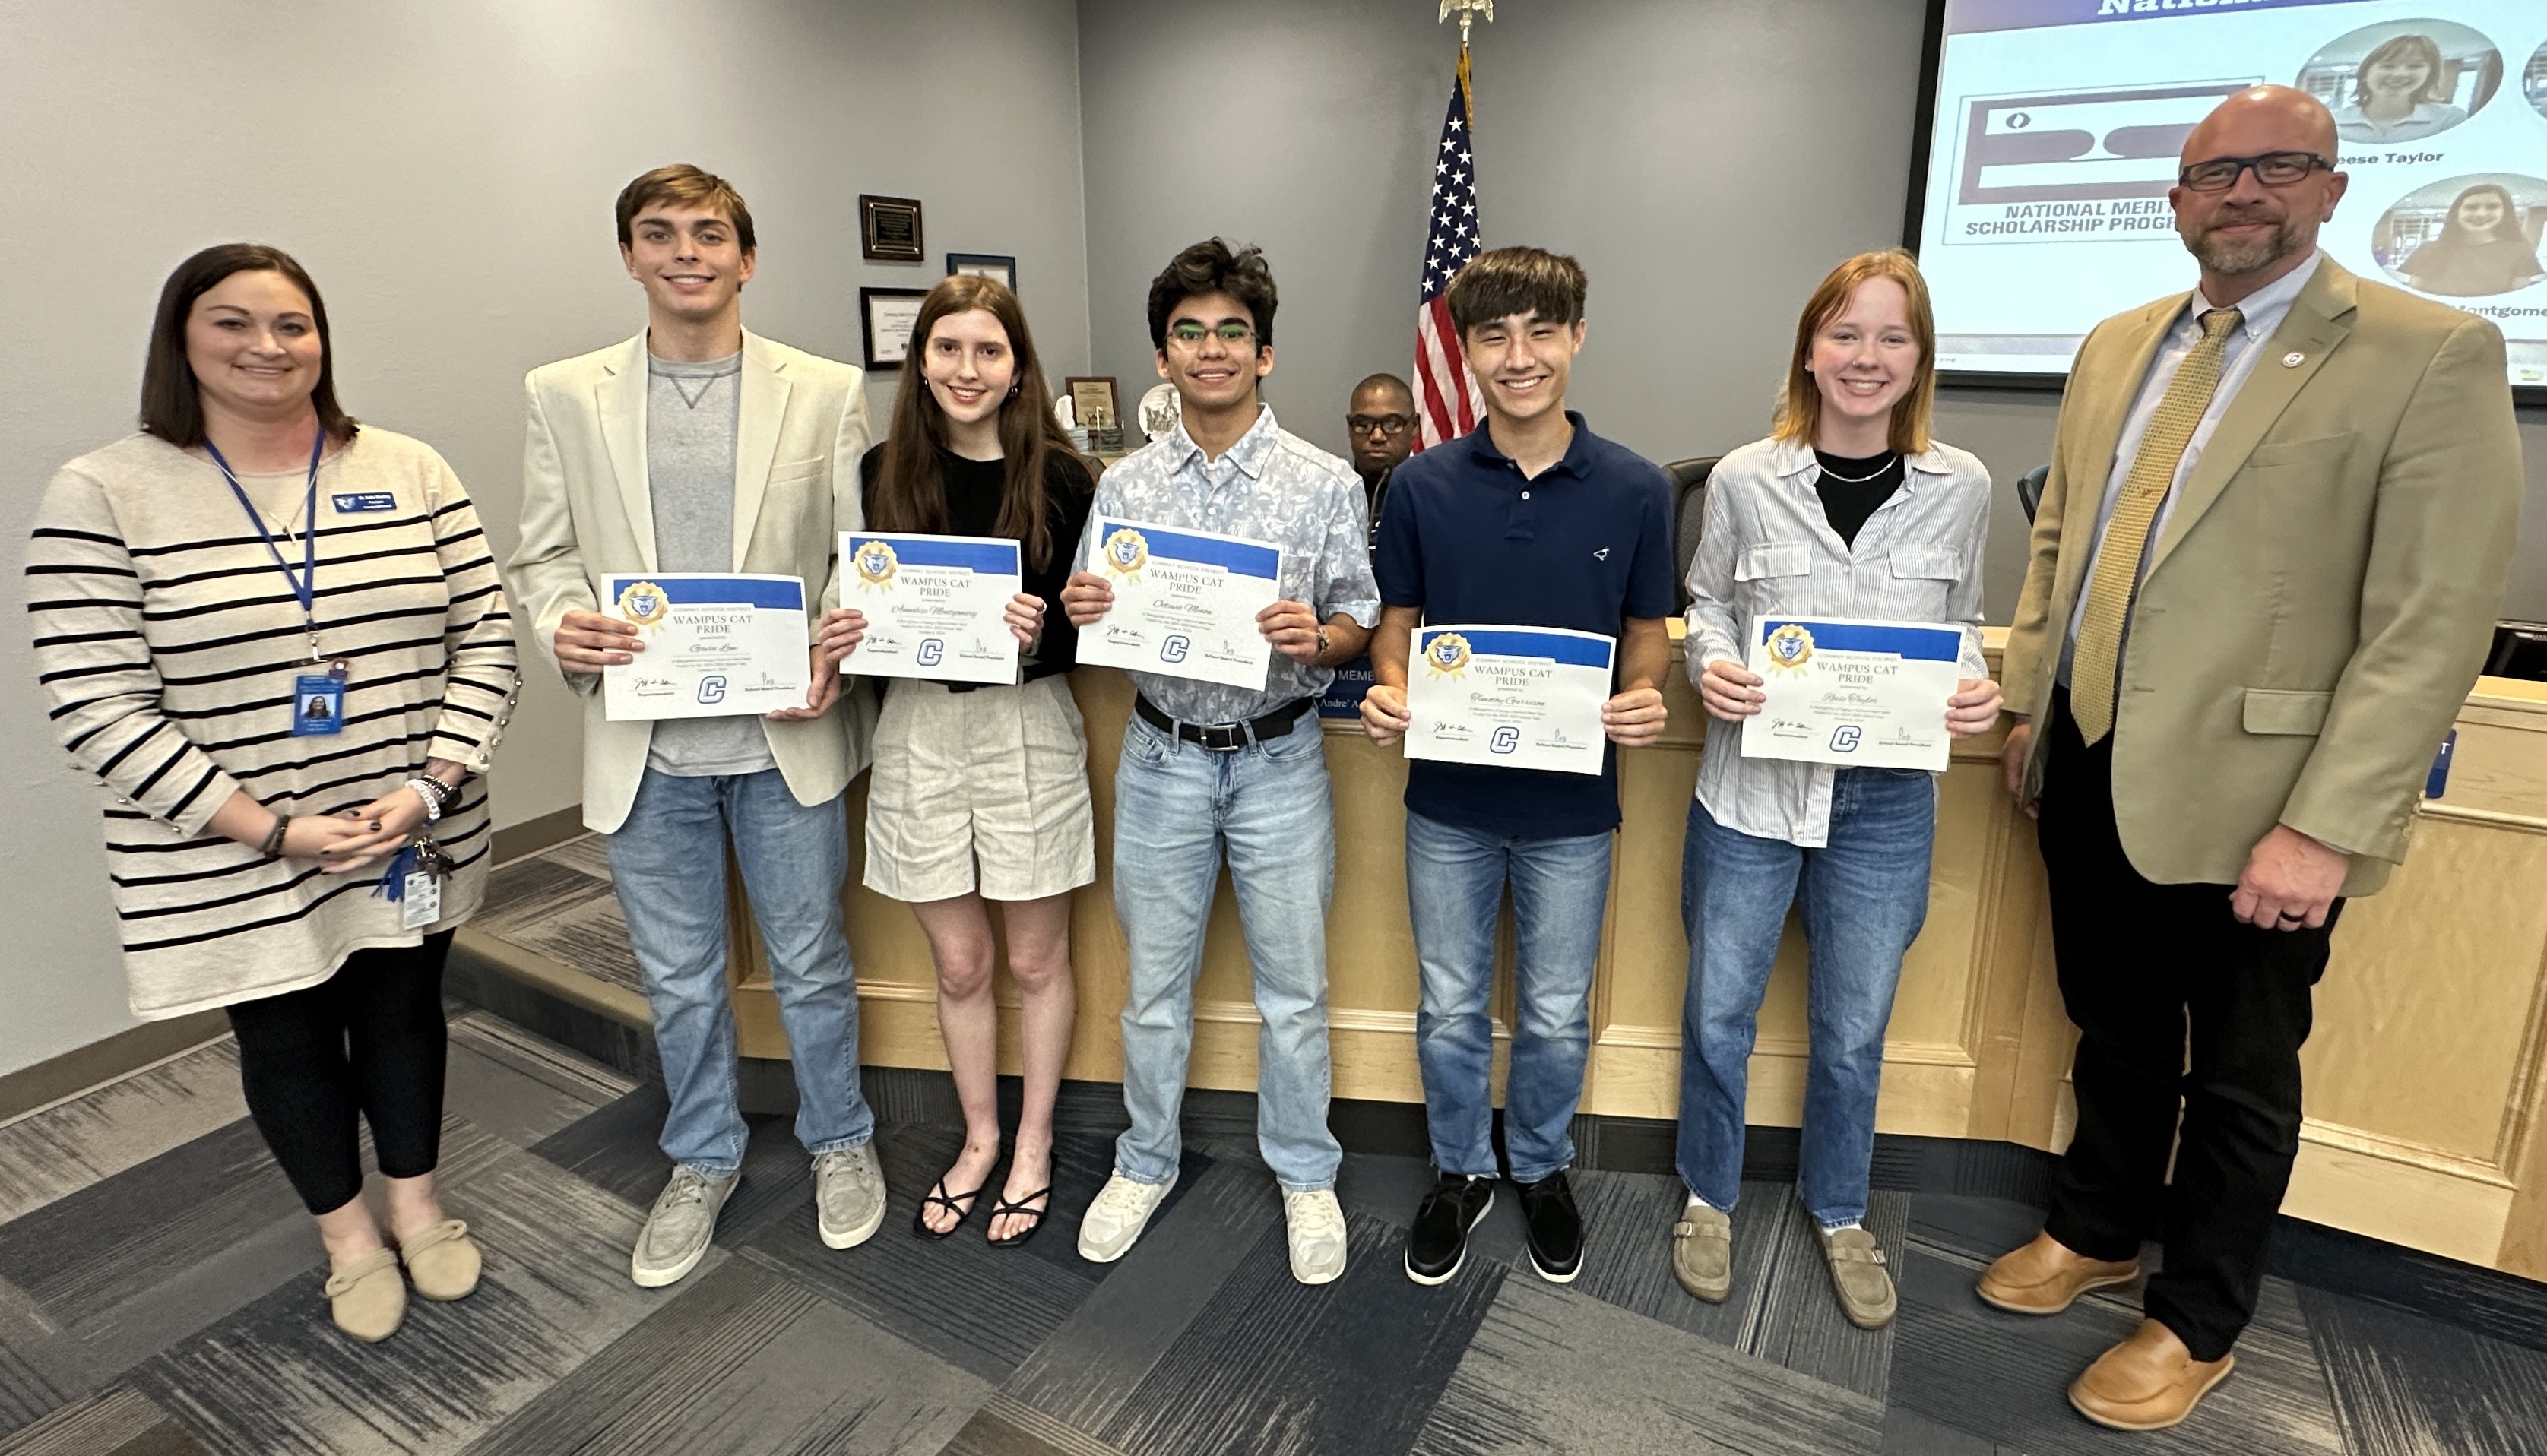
(1844, 739)
(876, 565)
(1505, 739)
(712, 690)
(1174, 648)
(931, 652)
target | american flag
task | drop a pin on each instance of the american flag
(1446, 402)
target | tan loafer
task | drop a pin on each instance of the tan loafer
(2149, 1382)
(442, 1261)
(368, 1298)
(1858, 1276)
(1701, 1252)
(2046, 1277)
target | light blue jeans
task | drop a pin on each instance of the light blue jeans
(667, 862)
(1178, 806)
(1864, 897)
(1455, 888)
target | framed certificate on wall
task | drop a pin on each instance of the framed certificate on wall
(885, 319)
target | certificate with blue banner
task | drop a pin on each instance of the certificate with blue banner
(936, 605)
(1509, 697)
(716, 646)
(1855, 693)
(1185, 603)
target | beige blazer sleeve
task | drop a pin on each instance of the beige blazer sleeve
(547, 569)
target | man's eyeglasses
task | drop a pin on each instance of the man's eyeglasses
(1387, 424)
(1191, 334)
(2272, 168)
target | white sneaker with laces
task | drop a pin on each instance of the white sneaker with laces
(1317, 1228)
(1114, 1223)
(848, 1196)
(675, 1235)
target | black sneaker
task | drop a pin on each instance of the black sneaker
(1554, 1227)
(1439, 1242)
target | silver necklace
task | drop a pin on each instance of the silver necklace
(1890, 460)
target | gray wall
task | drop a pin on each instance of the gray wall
(1707, 160)
(446, 172)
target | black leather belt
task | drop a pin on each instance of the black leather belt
(1228, 738)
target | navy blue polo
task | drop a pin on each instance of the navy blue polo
(1585, 545)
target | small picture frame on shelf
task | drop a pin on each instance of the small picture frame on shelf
(985, 265)
(885, 320)
(1092, 398)
(889, 229)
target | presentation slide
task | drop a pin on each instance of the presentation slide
(2059, 123)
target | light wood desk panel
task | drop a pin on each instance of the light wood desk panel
(2427, 1075)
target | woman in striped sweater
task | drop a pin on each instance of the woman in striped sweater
(281, 647)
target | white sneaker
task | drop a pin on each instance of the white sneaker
(848, 1196)
(1317, 1228)
(1114, 1223)
(675, 1235)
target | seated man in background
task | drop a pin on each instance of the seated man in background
(1208, 768)
(1379, 421)
(1530, 519)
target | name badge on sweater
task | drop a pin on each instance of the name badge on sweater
(317, 706)
(359, 502)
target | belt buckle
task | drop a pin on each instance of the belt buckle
(1219, 737)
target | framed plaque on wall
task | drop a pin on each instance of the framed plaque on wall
(889, 229)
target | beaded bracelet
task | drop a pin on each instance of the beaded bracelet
(435, 794)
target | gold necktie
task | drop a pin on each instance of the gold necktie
(2097, 659)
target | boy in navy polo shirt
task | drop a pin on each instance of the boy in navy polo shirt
(1530, 520)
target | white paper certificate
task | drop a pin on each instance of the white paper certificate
(1510, 697)
(716, 646)
(1854, 693)
(934, 605)
(1185, 603)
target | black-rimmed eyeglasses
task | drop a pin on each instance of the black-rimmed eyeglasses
(2272, 168)
(1387, 424)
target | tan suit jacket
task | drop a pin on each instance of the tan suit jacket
(587, 510)
(2322, 595)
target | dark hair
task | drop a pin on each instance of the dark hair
(685, 186)
(1381, 381)
(1209, 267)
(172, 408)
(1510, 280)
(910, 492)
(2507, 229)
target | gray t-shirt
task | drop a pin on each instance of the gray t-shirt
(692, 414)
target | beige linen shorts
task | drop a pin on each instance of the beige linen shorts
(986, 790)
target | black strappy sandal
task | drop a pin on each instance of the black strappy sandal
(960, 1203)
(1021, 1205)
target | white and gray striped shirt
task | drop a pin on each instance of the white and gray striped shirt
(167, 643)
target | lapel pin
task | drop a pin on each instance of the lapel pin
(2294, 359)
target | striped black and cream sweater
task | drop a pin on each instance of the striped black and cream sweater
(167, 642)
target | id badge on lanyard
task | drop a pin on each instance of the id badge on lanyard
(318, 698)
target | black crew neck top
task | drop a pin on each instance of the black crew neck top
(972, 488)
(1849, 502)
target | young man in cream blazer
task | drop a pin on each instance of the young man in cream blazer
(698, 447)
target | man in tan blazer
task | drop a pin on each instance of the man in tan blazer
(2264, 574)
(699, 447)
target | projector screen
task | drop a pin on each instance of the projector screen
(2055, 126)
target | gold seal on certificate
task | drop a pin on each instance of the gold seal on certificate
(644, 604)
(1790, 647)
(1126, 552)
(875, 565)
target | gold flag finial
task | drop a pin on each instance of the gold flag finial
(1467, 11)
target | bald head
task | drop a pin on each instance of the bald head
(2249, 231)
(2264, 118)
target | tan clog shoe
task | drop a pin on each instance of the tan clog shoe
(368, 1298)
(442, 1261)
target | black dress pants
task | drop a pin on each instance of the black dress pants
(2182, 1008)
(367, 1042)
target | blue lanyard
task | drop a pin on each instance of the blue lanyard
(305, 586)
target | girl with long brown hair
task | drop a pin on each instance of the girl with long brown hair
(980, 793)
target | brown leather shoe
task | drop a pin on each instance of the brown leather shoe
(2046, 1277)
(2149, 1382)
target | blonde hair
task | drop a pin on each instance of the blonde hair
(1800, 403)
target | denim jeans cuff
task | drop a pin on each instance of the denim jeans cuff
(842, 1145)
(1538, 1175)
(1288, 1187)
(714, 1174)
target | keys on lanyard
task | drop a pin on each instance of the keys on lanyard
(318, 698)
(413, 882)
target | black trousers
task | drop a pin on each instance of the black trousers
(2182, 1008)
(367, 1042)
